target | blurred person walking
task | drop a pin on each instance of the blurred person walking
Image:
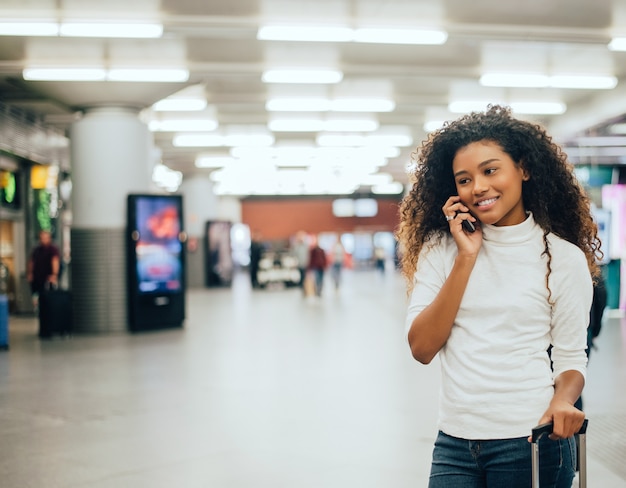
(301, 252)
(380, 257)
(256, 252)
(317, 264)
(338, 256)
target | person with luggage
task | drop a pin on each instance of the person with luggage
(256, 253)
(44, 264)
(489, 299)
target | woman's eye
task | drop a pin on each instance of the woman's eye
(490, 171)
(462, 181)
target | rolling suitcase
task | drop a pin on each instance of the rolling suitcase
(542, 429)
(55, 313)
(4, 322)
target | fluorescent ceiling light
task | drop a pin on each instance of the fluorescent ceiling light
(296, 125)
(521, 107)
(275, 152)
(325, 105)
(81, 29)
(102, 29)
(304, 33)
(100, 74)
(249, 140)
(433, 125)
(297, 105)
(340, 140)
(317, 125)
(179, 105)
(466, 106)
(362, 105)
(183, 125)
(351, 125)
(213, 161)
(400, 36)
(345, 34)
(64, 74)
(618, 44)
(532, 80)
(583, 82)
(401, 140)
(369, 141)
(231, 139)
(22, 28)
(539, 108)
(325, 76)
(148, 74)
(198, 140)
(537, 80)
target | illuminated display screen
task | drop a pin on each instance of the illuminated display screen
(9, 189)
(158, 248)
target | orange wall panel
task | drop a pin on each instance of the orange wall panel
(282, 218)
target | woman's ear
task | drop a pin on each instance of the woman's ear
(525, 174)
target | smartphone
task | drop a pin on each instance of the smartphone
(468, 226)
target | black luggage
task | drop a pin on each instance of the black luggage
(55, 313)
(4, 322)
(543, 429)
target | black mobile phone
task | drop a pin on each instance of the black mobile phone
(467, 225)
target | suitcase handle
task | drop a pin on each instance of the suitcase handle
(50, 286)
(542, 429)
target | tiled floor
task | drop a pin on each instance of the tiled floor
(260, 389)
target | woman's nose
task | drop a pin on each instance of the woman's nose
(480, 186)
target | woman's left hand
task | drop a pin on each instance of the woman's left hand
(565, 417)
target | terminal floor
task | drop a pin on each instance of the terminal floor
(260, 388)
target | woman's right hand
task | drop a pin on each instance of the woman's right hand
(455, 211)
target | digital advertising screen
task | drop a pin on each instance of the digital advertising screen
(158, 247)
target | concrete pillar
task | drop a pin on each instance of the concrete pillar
(200, 206)
(111, 155)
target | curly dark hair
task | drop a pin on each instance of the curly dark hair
(558, 202)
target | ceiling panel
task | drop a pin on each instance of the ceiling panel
(217, 41)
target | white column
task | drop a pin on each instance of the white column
(200, 203)
(111, 155)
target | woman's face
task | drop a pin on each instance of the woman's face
(490, 183)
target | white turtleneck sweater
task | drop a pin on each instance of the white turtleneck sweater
(496, 376)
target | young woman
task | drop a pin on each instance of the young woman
(491, 302)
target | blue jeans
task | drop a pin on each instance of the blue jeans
(501, 463)
(319, 280)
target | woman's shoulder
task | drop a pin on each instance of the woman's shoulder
(566, 254)
(564, 246)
